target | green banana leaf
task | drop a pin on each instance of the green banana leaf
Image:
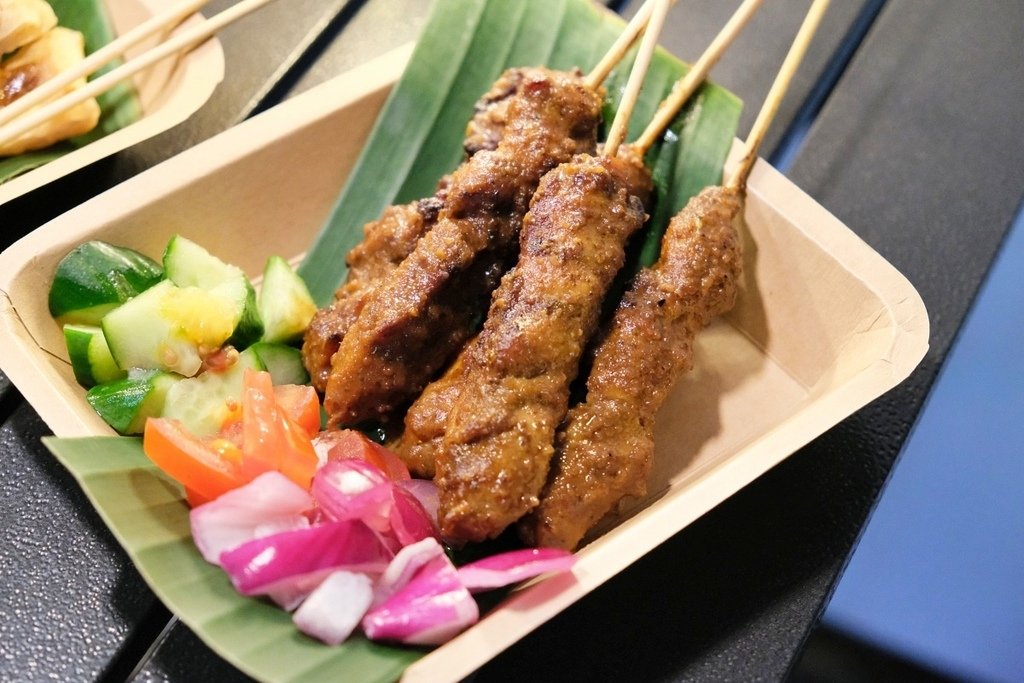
(465, 46)
(119, 106)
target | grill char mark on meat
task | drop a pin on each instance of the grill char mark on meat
(386, 243)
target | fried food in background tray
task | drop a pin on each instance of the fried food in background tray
(39, 50)
(22, 21)
(58, 50)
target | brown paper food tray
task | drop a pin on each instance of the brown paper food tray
(169, 92)
(823, 324)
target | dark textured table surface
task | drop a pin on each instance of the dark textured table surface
(904, 122)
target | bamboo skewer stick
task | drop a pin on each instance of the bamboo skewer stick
(110, 51)
(182, 41)
(687, 85)
(617, 133)
(776, 93)
(621, 45)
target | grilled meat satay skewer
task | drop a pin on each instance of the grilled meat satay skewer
(513, 388)
(388, 240)
(422, 312)
(425, 420)
(515, 375)
(606, 444)
(424, 427)
(391, 238)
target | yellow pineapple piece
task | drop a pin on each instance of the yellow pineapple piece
(204, 318)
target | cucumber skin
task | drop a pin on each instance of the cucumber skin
(249, 329)
(285, 303)
(90, 356)
(284, 363)
(125, 404)
(186, 263)
(78, 347)
(95, 277)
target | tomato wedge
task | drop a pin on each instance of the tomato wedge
(271, 440)
(205, 468)
(260, 449)
(194, 499)
(271, 431)
(301, 404)
(299, 462)
(349, 444)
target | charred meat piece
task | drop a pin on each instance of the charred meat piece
(386, 243)
(425, 420)
(605, 446)
(392, 237)
(515, 375)
(490, 114)
(422, 313)
(422, 438)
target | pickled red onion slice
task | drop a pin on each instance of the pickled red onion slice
(302, 558)
(268, 504)
(335, 608)
(354, 489)
(429, 610)
(514, 566)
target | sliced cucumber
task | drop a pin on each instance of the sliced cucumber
(90, 357)
(189, 265)
(285, 304)
(148, 332)
(284, 363)
(204, 402)
(96, 277)
(125, 404)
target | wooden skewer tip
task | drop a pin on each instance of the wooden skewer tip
(622, 44)
(686, 86)
(777, 92)
(617, 133)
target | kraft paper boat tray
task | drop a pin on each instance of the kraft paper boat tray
(169, 92)
(823, 324)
